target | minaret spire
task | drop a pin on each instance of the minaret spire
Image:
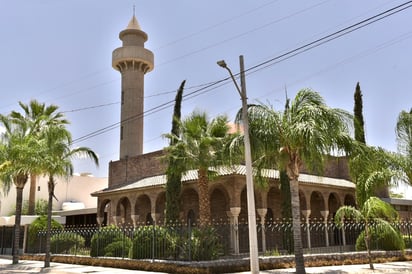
(132, 60)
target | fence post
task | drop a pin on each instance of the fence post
(153, 242)
(190, 241)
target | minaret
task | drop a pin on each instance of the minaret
(133, 61)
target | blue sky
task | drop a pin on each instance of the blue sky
(59, 52)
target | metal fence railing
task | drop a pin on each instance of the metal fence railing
(188, 242)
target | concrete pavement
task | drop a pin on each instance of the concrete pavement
(25, 266)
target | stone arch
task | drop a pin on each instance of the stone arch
(333, 204)
(124, 211)
(317, 204)
(142, 209)
(103, 212)
(274, 202)
(160, 207)
(219, 205)
(349, 200)
(189, 201)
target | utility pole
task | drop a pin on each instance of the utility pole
(253, 248)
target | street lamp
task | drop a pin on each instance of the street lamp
(253, 250)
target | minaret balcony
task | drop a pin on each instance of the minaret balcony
(133, 57)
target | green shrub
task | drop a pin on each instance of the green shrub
(40, 224)
(149, 241)
(110, 241)
(118, 248)
(204, 244)
(66, 242)
(381, 240)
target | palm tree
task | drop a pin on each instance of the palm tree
(57, 156)
(372, 169)
(303, 134)
(374, 212)
(37, 116)
(19, 156)
(404, 141)
(199, 146)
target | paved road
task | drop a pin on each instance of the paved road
(57, 268)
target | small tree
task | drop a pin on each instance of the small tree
(374, 212)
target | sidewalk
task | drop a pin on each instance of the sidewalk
(58, 268)
(6, 267)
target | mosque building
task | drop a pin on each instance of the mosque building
(136, 185)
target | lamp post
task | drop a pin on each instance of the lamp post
(253, 249)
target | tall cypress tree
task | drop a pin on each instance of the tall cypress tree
(358, 116)
(174, 170)
(359, 124)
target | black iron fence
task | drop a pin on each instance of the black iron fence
(7, 237)
(189, 242)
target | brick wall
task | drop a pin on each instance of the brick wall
(135, 168)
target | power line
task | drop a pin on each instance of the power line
(262, 65)
(329, 37)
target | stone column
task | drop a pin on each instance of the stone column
(155, 217)
(231, 235)
(262, 214)
(135, 219)
(235, 211)
(100, 220)
(306, 215)
(116, 220)
(325, 214)
(343, 232)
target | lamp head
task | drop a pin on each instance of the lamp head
(222, 63)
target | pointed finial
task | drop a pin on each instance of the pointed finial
(133, 24)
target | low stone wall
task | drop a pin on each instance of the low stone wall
(232, 264)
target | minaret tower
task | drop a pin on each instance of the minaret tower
(133, 61)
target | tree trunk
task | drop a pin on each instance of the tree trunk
(368, 245)
(49, 220)
(17, 222)
(204, 202)
(32, 194)
(297, 235)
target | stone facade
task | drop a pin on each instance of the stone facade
(136, 193)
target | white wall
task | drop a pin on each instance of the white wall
(78, 189)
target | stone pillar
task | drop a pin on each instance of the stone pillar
(100, 220)
(116, 220)
(343, 232)
(262, 214)
(155, 217)
(306, 215)
(235, 211)
(135, 219)
(325, 214)
(231, 234)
